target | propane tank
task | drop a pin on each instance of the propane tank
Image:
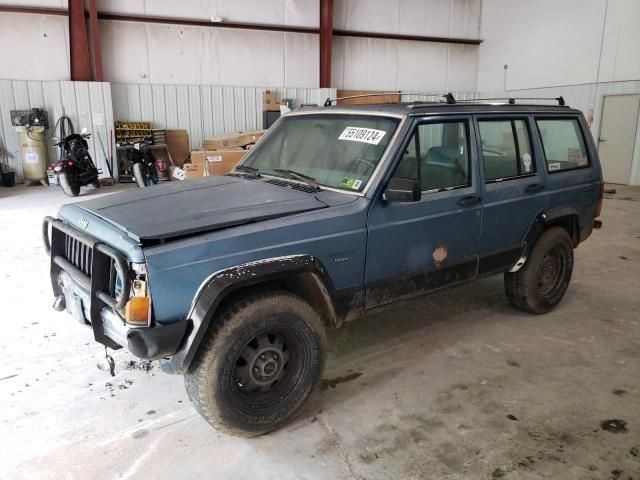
(34, 154)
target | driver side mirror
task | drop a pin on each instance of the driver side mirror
(402, 190)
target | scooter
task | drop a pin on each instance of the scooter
(142, 162)
(75, 168)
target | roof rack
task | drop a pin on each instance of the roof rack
(512, 100)
(448, 97)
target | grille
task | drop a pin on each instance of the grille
(78, 253)
(295, 186)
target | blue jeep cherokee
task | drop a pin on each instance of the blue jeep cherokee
(232, 280)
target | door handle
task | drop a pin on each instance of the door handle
(534, 187)
(469, 200)
(602, 140)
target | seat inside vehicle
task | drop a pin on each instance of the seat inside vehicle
(441, 167)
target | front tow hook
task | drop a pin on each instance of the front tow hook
(59, 303)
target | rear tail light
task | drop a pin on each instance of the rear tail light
(600, 199)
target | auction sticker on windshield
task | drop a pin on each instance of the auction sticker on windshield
(360, 134)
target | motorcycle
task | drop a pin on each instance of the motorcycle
(142, 162)
(75, 168)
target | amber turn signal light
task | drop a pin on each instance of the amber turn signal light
(136, 312)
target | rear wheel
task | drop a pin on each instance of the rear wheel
(543, 280)
(259, 363)
(153, 174)
(69, 184)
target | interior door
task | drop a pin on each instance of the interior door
(414, 247)
(617, 136)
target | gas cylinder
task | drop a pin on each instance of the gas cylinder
(34, 154)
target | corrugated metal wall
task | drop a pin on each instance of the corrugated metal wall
(586, 97)
(87, 104)
(206, 110)
(203, 110)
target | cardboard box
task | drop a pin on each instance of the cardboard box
(216, 162)
(192, 171)
(233, 139)
(178, 145)
(270, 101)
(392, 97)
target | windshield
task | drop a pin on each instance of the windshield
(334, 150)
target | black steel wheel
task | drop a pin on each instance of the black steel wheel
(544, 278)
(259, 363)
(262, 363)
(551, 271)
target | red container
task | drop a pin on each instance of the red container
(161, 165)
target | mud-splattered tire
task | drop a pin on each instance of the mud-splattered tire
(261, 359)
(543, 280)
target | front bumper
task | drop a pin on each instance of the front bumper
(83, 276)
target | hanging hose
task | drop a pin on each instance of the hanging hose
(60, 124)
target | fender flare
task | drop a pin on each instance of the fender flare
(543, 220)
(221, 283)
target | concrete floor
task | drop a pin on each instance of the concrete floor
(455, 385)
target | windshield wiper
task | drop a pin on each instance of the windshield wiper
(299, 176)
(252, 171)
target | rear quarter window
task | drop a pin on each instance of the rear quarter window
(563, 144)
(506, 150)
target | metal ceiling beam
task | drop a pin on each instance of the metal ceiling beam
(281, 28)
(78, 42)
(202, 23)
(415, 38)
(34, 10)
(326, 35)
(243, 26)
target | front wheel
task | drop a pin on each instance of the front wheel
(543, 280)
(141, 174)
(69, 184)
(262, 358)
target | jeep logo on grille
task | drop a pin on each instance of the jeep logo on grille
(84, 223)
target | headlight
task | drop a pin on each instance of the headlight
(139, 268)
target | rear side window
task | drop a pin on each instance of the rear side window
(563, 144)
(506, 149)
(437, 155)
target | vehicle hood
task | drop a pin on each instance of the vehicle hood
(177, 209)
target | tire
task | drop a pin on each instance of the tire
(258, 364)
(140, 174)
(543, 280)
(153, 174)
(68, 184)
